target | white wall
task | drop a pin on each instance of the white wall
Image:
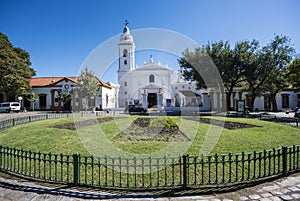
(37, 92)
(259, 101)
(100, 97)
(139, 78)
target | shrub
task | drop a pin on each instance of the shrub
(163, 122)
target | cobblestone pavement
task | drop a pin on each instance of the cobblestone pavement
(282, 189)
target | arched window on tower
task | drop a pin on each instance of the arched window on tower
(125, 62)
(151, 78)
(125, 52)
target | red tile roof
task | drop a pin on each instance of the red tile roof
(48, 81)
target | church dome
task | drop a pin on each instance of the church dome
(126, 37)
(126, 30)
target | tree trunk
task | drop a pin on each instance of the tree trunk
(86, 103)
(228, 98)
(251, 105)
(228, 101)
(274, 102)
(5, 98)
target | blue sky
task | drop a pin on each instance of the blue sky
(60, 34)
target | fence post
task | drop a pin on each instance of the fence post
(184, 170)
(284, 161)
(0, 157)
(76, 169)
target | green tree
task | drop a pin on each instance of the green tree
(198, 66)
(255, 71)
(66, 99)
(292, 73)
(190, 71)
(32, 98)
(87, 84)
(229, 63)
(15, 70)
(276, 56)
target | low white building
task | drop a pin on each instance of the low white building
(286, 100)
(49, 90)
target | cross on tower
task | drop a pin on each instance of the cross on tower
(126, 22)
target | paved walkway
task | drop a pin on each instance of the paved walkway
(282, 189)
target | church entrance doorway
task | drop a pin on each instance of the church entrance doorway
(152, 100)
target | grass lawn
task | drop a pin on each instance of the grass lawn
(41, 136)
(269, 135)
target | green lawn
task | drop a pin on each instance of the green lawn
(41, 136)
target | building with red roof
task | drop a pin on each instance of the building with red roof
(48, 92)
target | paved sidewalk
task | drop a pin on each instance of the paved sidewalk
(282, 189)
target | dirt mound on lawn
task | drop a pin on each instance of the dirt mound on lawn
(227, 124)
(142, 130)
(81, 124)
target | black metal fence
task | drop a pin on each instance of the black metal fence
(293, 121)
(148, 172)
(181, 171)
(284, 120)
(27, 119)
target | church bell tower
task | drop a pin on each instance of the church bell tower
(126, 51)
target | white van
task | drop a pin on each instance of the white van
(10, 106)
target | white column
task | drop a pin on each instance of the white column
(145, 103)
(159, 101)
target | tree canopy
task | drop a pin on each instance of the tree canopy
(276, 57)
(15, 70)
(230, 62)
(293, 73)
(87, 83)
(189, 71)
(256, 69)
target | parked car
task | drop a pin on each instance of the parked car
(136, 109)
(297, 113)
(10, 106)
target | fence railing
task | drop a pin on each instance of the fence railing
(171, 172)
(27, 119)
(148, 172)
(293, 121)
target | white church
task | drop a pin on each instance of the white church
(152, 85)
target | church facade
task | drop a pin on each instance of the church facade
(152, 85)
